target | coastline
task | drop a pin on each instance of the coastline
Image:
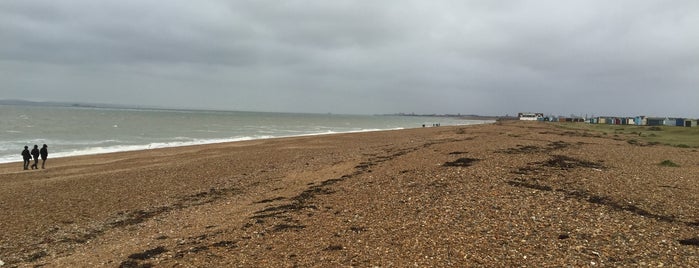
(497, 194)
(107, 130)
(197, 142)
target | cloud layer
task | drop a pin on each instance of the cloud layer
(484, 57)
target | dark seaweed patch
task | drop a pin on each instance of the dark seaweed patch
(284, 212)
(363, 165)
(566, 162)
(148, 254)
(606, 201)
(285, 227)
(357, 229)
(531, 149)
(461, 162)
(333, 248)
(556, 145)
(198, 249)
(37, 255)
(690, 242)
(528, 170)
(530, 185)
(270, 200)
(597, 199)
(134, 264)
(225, 243)
(139, 216)
(522, 150)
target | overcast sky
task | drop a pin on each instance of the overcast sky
(363, 57)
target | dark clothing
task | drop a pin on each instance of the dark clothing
(27, 157)
(35, 154)
(44, 153)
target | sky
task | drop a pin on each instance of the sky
(587, 57)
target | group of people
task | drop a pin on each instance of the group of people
(27, 155)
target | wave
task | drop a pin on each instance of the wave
(93, 147)
(10, 150)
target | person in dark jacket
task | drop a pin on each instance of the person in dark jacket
(27, 157)
(44, 154)
(35, 154)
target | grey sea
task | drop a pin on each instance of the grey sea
(71, 131)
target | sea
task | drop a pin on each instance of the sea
(73, 131)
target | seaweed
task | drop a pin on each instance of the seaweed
(530, 185)
(148, 253)
(668, 163)
(566, 162)
(461, 162)
(334, 248)
(694, 241)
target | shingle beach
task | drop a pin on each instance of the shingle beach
(521, 194)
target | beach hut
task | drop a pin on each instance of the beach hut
(530, 116)
(655, 121)
(610, 120)
(639, 120)
(679, 122)
(690, 122)
(670, 122)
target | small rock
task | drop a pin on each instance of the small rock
(2, 263)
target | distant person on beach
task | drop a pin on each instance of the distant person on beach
(35, 154)
(44, 154)
(27, 157)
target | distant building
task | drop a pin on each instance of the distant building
(655, 121)
(531, 116)
(672, 122)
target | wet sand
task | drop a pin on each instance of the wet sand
(512, 194)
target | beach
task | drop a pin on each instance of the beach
(504, 194)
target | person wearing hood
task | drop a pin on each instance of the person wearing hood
(44, 154)
(27, 157)
(35, 154)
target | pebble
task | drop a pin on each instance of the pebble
(488, 215)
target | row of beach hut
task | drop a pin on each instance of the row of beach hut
(645, 121)
(615, 120)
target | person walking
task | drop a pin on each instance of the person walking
(35, 154)
(44, 154)
(27, 157)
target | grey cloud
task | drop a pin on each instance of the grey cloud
(490, 57)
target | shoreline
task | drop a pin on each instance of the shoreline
(196, 142)
(497, 194)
